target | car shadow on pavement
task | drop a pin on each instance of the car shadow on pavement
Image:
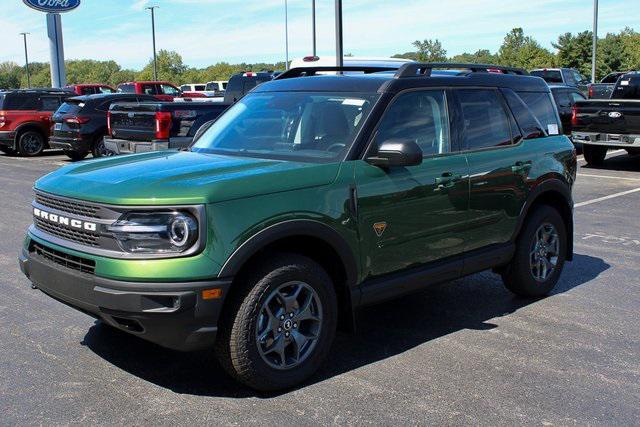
(620, 163)
(383, 331)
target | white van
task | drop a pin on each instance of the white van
(330, 61)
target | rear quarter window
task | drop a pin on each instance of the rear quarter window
(21, 101)
(541, 104)
(527, 121)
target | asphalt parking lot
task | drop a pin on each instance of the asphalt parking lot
(466, 352)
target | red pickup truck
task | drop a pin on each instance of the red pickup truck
(162, 91)
(90, 89)
(25, 119)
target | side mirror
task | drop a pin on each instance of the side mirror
(396, 152)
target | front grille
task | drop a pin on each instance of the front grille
(69, 261)
(79, 236)
(66, 205)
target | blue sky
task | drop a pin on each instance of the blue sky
(207, 31)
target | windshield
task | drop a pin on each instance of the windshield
(311, 126)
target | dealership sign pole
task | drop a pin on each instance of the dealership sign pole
(54, 8)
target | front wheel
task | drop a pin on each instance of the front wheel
(278, 327)
(541, 251)
(594, 155)
(31, 143)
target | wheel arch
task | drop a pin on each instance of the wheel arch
(30, 126)
(554, 192)
(310, 238)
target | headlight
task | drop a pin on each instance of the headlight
(156, 232)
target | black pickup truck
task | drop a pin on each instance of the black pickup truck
(154, 126)
(601, 124)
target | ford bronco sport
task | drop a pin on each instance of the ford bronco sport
(311, 197)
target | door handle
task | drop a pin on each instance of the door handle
(521, 167)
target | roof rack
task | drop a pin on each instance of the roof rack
(424, 69)
(312, 71)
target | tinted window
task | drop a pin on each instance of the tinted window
(315, 127)
(70, 107)
(542, 107)
(150, 89)
(50, 103)
(611, 78)
(486, 123)
(200, 87)
(212, 86)
(169, 90)
(579, 78)
(127, 88)
(185, 88)
(421, 117)
(575, 97)
(550, 76)
(562, 98)
(21, 101)
(530, 126)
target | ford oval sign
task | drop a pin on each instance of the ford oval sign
(52, 6)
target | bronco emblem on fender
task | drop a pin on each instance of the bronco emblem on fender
(379, 228)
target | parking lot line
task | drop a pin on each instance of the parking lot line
(610, 196)
(608, 177)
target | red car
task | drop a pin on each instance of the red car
(163, 91)
(25, 119)
(90, 89)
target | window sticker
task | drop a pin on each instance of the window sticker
(552, 129)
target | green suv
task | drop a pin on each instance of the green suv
(316, 194)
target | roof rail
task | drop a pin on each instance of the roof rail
(424, 69)
(312, 71)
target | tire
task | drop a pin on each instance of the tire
(238, 348)
(98, 149)
(75, 155)
(593, 155)
(31, 143)
(520, 275)
(8, 151)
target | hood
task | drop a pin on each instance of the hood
(171, 177)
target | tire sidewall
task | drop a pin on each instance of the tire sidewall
(95, 150)
(22, 141)
(526, 283)
(246, 322)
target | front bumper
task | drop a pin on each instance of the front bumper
(172, 315)
(70, 144)
(123, 146)
(607, 139)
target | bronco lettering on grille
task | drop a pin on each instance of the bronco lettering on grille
(66, 221)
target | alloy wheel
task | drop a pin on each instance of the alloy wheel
(545, 250)
(289, 325)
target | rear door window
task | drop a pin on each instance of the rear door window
(486, 123)
(420, 116)
(150, 89)
(169, 90)
(49, 103)
(541, 105)
(21, 101)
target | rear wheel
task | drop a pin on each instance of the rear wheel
(594, 155)
(98, 149)
(31, 143)
(540, 254)
(278, 327)
(75, 155)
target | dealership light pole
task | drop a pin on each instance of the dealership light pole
(26, 59)
(153, 33)
(339, 54)
(286, 35)
(313, 25)
(595, 41)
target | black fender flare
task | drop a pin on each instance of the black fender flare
(292, 228)
(557, 185)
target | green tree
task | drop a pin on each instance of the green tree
(575, 51)
(482, 56)
(170, 67)
(518, 50)
(10, 74)
(430, 51)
